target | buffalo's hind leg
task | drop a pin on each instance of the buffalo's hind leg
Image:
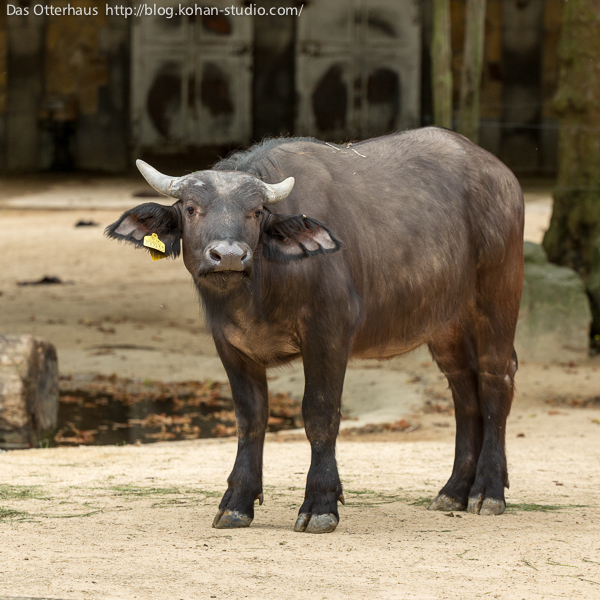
(496, 389)
(498, 299)
(250, 397)
(456, 355)
(497, 367)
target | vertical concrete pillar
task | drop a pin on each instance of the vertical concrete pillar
(273, 83)
(25, 75)
(3, 52)
(522, 94)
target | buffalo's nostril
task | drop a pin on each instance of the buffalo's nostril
(224, 255)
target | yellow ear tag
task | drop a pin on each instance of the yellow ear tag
(155, 246)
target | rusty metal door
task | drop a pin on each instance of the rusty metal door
(358, 68)
(191, 79)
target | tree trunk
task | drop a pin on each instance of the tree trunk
(28, 391)
(575, 225)
(470, 81)
(441, 70)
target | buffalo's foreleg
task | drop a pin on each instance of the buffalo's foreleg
(456, 356)
(324, 370)
(249, 389)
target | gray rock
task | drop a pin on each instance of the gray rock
(28, 391)
(534, 253)
(593, 285)
(555, 317)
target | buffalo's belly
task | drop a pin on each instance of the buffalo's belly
(387, 351)
(390, 329)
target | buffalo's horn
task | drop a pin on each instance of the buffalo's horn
(168, 186)
(276, 192)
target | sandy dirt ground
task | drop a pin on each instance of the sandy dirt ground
(134, 521)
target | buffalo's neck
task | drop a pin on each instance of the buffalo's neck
(247, 319)
(222, 307)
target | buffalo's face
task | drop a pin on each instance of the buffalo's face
(224, 221)
(222, 215)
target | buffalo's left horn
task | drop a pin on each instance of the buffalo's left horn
(276, 192)
(168, 186)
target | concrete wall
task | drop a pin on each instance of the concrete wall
(3, 89)
(273, 92)
(65, 81)
(24, 67)
(64, 98)
(519, 79)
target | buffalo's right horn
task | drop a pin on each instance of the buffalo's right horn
(168, 186)
(276, 192)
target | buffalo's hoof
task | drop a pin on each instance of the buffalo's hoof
(231, 519)
(307, 523)
(443, 502)
(478, 505)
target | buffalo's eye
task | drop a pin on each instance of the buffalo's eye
(257, 214)
(190, 210)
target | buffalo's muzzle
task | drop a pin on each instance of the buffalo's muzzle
(225, 265)
(227, 256)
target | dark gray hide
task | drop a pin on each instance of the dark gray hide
(408, 239)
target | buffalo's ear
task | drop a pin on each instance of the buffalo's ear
(146, 219)
(290, 237)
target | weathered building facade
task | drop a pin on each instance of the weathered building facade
(92, 92)
(64, 93)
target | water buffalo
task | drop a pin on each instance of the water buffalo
(300, 248)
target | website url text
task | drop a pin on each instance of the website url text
(154, 10)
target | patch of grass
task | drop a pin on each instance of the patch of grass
(372, 497)
(134, 491)
(529, 564)
(434, 531)
(11, 514)
(530, 507)
(21, 492)
(588, 580)
(141, 492)
(368, 497)
(420, 501)
(206, 493)
(555, 564)
(88, 514)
